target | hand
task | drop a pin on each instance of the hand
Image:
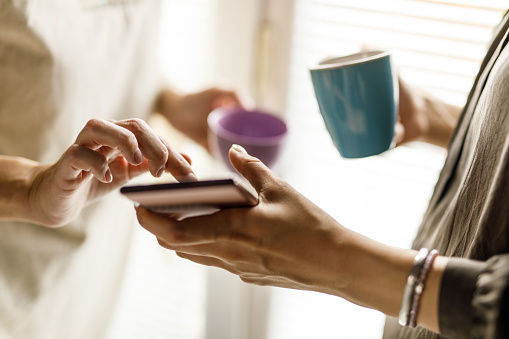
(412, 123)
(287, 241)
(424, 118)
(188, 113)
(106, 154)
(284, 241)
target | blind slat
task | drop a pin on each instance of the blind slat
(474, 15)
(401, 23)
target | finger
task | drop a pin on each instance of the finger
(224, 97)
(134, 171)
(399, 133)
(187, 157)
(79, 158)
(149, 143)
(178, 165)
(109, 153)
(98, 133)
(123, 171)
(250, 168)
(246, 275)
(191, 231)
(208, 261)
(233, 253)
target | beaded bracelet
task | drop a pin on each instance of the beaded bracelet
(419, 288)
(412, 280)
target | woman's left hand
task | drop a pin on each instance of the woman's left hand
(284, 241)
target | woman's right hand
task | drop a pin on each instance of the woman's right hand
(106, 155)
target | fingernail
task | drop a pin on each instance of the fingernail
(239, 148)
(107, 176)
(160, 172)
(138, 156)
(187, 178)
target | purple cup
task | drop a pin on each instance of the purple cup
(261, 133)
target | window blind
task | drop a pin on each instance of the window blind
(437, 45)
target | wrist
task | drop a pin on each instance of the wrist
(167, 103)
(378, 274)
(17, 178)
(39, 194)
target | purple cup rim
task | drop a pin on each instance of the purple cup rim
(216, 115)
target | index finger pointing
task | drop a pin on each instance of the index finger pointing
(179, 165)
(150, 144)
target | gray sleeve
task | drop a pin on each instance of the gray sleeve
(474, 298)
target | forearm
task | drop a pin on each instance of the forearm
(377, 275)
(16, 178)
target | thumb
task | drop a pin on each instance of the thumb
(250, 168)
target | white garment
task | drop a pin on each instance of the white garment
(61, 64)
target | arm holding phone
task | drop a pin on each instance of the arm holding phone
(287, 241)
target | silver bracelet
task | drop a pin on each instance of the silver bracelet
(419, 288)
(411, 283)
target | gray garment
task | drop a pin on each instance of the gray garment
(468, 215)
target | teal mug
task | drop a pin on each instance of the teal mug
(358, 100)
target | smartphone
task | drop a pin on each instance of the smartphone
(192, 198)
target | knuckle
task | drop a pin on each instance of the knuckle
(266, 264)
(137, 124)
(100, 161)
(127, 138)
(73, 151)
(177, 235)
(236, 218)
(250, 279)
(164, 244)
(164, 152)
(282, 186)
(181, 255)
(278, 188)
(252, 162)
(234, 258)
(94, 123)
(72, 156)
